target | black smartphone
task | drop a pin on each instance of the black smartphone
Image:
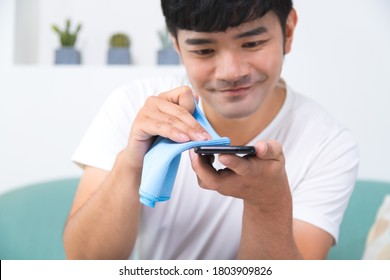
(209, 150)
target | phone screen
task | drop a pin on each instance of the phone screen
(209, 150)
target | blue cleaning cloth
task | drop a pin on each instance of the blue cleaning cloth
(162, 160)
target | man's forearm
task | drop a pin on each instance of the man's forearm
(267, 236)
(105, 227)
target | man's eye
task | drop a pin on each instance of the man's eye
(253, 44)
(203, 52)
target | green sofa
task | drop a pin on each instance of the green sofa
(32, 220)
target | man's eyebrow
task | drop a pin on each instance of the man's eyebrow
(199, 41)
(252, 32)
(249, 33)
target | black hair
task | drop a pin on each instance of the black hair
(219, 15)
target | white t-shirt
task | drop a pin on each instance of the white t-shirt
(321, 163)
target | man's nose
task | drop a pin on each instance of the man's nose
(231, 66)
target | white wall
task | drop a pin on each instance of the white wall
(7, 26)
(27, 32)
(340, 58)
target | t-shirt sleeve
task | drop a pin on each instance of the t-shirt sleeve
(107, 134)
(322, 196)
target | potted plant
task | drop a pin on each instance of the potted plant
(67, 53)
(167, 54)
(119, 51)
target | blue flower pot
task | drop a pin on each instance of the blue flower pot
(67, 55)
(167, 56)
(119, 56)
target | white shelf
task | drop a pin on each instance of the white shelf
(33, 41)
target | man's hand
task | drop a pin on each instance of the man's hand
(168, 115)
(259, 180)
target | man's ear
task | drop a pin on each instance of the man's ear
(291, 23)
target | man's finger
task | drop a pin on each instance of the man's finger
(269, 150)
(181, 104)
(239, 165)
(181, 96)
(207, 175)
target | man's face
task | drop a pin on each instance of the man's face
(234, 71)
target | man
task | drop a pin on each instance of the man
(286, 202)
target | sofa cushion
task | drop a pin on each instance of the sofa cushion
(32, 219)
(378, 240)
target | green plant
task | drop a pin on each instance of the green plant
(165, 38)
(120, 40)
(67, 38)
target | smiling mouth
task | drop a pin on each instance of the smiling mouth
(235, 91)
